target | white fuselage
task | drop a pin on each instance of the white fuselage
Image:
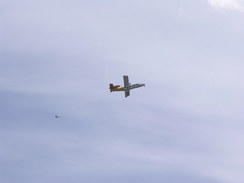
(130, 87)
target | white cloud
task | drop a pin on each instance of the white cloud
(228, 4)
(188, 119)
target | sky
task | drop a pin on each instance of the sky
(58, 57)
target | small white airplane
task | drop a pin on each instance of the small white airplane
(127, 86)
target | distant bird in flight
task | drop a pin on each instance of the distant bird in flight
(56, 116)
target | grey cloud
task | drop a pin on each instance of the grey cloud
(58, 59)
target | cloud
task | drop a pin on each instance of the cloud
(58, 60)
(228, 4)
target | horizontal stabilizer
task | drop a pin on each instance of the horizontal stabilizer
(115, 88)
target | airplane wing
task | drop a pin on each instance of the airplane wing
(126, 81)
(127, 93)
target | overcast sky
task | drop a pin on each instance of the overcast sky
(57, 57)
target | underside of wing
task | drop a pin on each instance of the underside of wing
(126, 81)
(127, 93)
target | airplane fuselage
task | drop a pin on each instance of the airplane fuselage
(130, 87)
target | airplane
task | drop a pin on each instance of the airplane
(127, 86)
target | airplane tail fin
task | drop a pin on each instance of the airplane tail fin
(111, 87)
(115, 88)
